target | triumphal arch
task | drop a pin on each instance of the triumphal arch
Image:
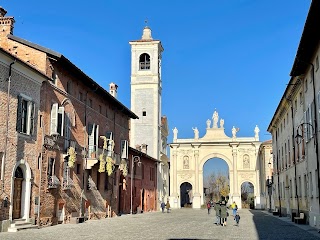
(188, 156)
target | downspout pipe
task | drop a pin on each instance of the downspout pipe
(7, 128)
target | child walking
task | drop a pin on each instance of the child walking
(237, 218)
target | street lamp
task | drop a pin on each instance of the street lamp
(134, 159)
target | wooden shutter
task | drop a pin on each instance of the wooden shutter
(54, 119)
(32, 116)
(110, 143)
(124, 149)
(91, 137)
(96, 137)
(67, 131)
(19, 115)
(61, 120)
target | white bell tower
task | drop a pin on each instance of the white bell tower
(146, 93)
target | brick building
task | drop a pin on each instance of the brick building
(20, 86)
(82, 137)
(142, 174)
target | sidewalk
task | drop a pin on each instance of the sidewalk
(308, 228)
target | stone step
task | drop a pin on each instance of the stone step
(20, 225)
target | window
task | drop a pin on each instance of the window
(144, 113)
(286, 155)
(289, 155)
(93, 137)
(299, 187)
(290, 186)
(57, 120)
(144, 62)
(51, 169)
(78, 168)
(100, 109)
(90, 103)
(110, 143)
(301, 98)
(308, 116)
(295, 105)
(106, 112)
(54, 77)
(106, 182)
(316, 186)
(81, 96)
(124, 149)
(25, 115)
(69, 87)
(305, 186)
(317, 63)
(311, 184)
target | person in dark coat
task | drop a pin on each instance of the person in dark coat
(237, 218)
(217, 209)
(163, 205)
(224, 214)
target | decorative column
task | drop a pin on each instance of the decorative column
(235, 195)
(174, 195)
(196, 202)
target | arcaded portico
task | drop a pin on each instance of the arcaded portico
(188, 156)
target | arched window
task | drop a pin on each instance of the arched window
(144, 62)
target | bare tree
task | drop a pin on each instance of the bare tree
(218, 185)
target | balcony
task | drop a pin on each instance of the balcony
(67, 183)
(53, 182)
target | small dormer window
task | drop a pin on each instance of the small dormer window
(144, 62)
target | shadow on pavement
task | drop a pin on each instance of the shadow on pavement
(272, 227)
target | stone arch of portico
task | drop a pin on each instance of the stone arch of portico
(26, 189)
(215, 155)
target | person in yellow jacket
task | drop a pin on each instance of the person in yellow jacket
(168, 207)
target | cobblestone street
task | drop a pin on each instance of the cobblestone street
(179, 224)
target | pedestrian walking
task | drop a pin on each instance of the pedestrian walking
(218, 212)
(168, 206)
(208, 206)
(237, 218)
(224, 213)
(163, 205)
(234, 208)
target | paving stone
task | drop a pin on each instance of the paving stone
(179, 224)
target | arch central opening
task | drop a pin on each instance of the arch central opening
(216, 180)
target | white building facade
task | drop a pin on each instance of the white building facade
(188, 156)
(295, 132)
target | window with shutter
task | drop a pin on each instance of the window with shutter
(110, 146)
(67, 131)
(54, 119)
(25, 115)
(60, 126)
(124, 149)
(93, 138)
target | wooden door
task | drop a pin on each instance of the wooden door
(17, 198)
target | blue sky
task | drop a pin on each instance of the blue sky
(234, 56)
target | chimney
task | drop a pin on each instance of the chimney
(113, 89)
(144, 148)
(6, 23)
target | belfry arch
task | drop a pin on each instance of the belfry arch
(188, 156)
